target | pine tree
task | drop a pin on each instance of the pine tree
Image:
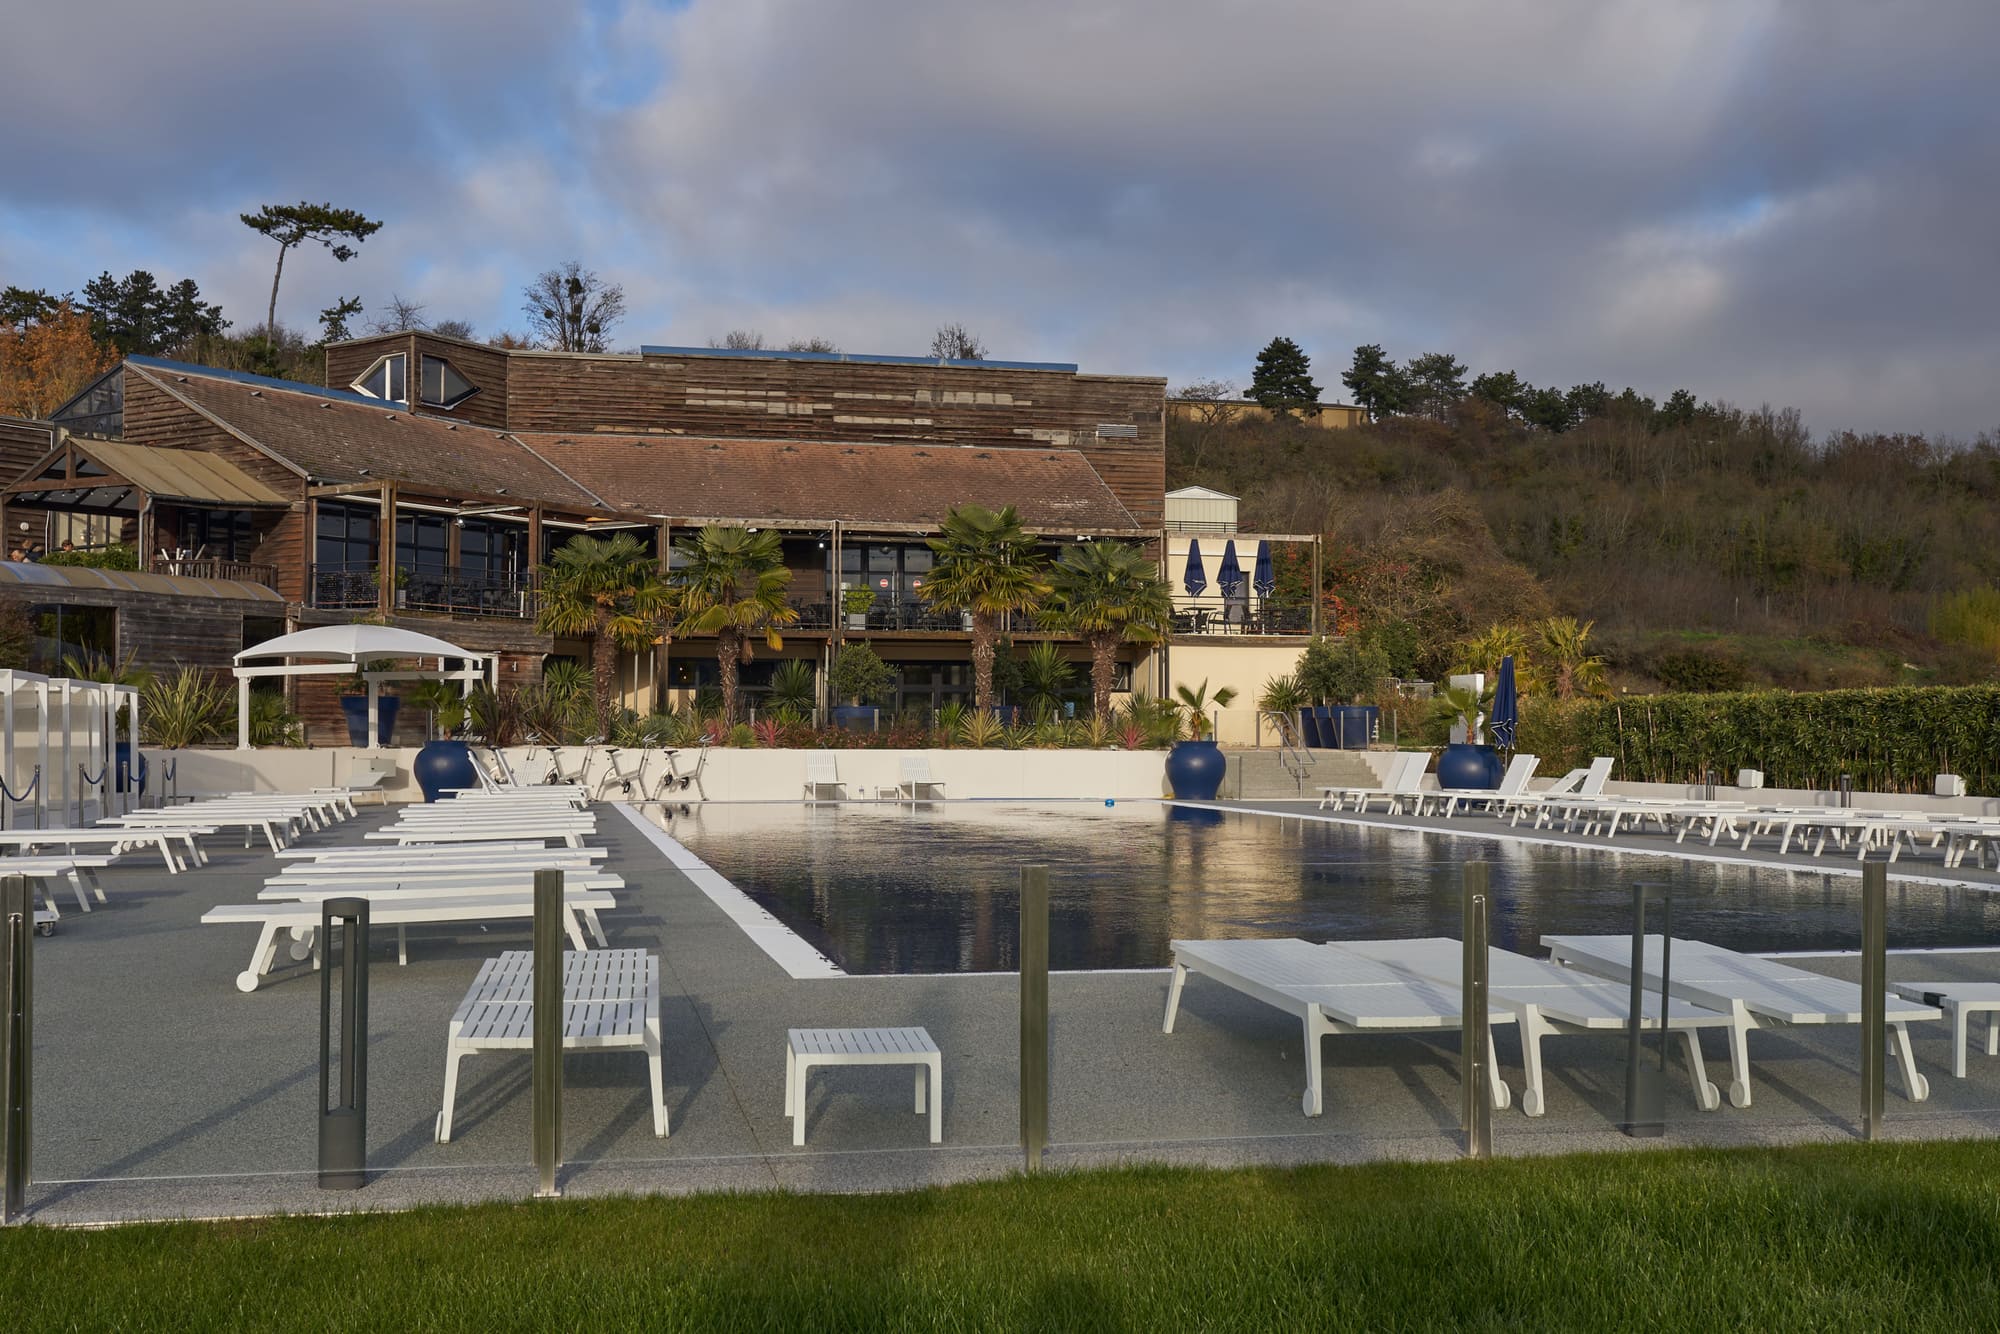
(1282, 382)
(1377, 383)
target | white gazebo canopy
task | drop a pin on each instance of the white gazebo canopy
(349, 647)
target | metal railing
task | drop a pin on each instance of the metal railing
(453, 591)
(1253, 619)
(214, 567)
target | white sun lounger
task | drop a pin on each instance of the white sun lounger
(454, 854)
(611, 999)
(1545, 804)
(1756, 993)
(1405, 777)
(115, 840)
(821, 776)
(513, 832)
(278, 827)
(916, 779)
(1512, 784)
(79, 872)
(1548, 999)
(302, 919)
(1328, 992)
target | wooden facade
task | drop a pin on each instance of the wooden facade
(1115, 421)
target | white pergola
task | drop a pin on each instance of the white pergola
(80, 720)
(348, 648)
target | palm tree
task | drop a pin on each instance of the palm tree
(1483, 652)
(987, 565)
(732, 583)
(1572, 668)
(607, 590)
(1110, 594)
(1194, 702)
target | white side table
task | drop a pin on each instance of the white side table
(808, 1047)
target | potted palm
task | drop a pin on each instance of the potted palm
(1195, 765)
(1466, 761)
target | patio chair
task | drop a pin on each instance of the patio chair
(821, 777)
(917, 779)
(1512, 784)
(1399, 766)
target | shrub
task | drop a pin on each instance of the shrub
(1692, 671)
(858, 673)
(1971, 618)
(185, 709)
(1337, 672)
(116, 556)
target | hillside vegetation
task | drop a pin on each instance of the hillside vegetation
(1725, 550)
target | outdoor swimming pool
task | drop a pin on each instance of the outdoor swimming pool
(935, 889)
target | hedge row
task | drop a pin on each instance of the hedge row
(1891, 740)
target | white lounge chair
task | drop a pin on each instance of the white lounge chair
(1548, 999)
(1329, 992)
(303, 920)
(114, 840)
(1512, 784)
(1589, 786)
(916, 779)
(1393, 777)
(1756, 993)
(611, 999)
(821, 777)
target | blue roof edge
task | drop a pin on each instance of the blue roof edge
(246, 377)
(766, 354)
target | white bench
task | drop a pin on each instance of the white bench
(808, 1047)
(1960, 1001)
(611, 999)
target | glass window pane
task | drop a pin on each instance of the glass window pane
(881, 560)
(397, 389)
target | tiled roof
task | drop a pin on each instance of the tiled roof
(336, 437)
(686, 477)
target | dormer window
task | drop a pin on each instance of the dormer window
(442, 385)
(387, 379)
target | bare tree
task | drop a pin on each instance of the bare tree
(1208, 410)
(399, 316)
(453, 329)
(740, 340)
(955, 342)
(571, 309)
(812, 345)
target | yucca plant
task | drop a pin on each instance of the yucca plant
(979, 729)
(794, 686)
(1283, 694)
(185, 708)
(950, 719)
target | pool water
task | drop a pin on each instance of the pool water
(935, 889)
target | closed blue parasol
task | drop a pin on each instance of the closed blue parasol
(1506, 712)
(1229, 575)
(1263, 578)
(1196, 581)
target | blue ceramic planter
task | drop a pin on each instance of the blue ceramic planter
(1464, 766)
(355, 709)
(444, 766)
(1195, 769)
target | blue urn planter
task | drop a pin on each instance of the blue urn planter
(1195, 769)
(444, 766)
(1463, 765)
(355, 709)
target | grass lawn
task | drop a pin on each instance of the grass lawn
(1849, 1237)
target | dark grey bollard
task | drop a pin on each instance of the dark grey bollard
(343, 1125)
(1874, 993)
(17, 1031)
(1034, 1014)
(547, 1077)
(1475, 1074)
(1646, 1084)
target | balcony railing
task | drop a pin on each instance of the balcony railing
(1256, 619)
(451, 592)
(212, 567)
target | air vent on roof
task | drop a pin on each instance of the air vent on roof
(326, 405)
(850, 450)
(256, 393)
(788, 449)
(716, 448)
(921, 454)
(390, 415)
(451, 426)
(363, 471)
(1116, 431)
(180, 379)
(982, 454)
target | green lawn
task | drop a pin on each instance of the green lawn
(1848, 1237)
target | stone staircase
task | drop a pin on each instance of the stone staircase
(1262, 773)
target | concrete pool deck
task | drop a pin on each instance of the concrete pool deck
(161, 1091)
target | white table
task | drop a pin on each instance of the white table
(808, 1047)
(1960, 1001)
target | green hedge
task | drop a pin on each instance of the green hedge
(1893, 740)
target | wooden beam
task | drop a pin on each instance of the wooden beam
(385, 549)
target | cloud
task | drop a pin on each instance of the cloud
(1756, 199)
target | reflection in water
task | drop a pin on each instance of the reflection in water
(935, 889)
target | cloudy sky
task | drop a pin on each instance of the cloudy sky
(1763, 201)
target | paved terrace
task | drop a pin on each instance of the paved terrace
(162, 1091)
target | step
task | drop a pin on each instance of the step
(1265, 773)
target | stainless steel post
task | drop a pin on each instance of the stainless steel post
(17, 1031)
(548, 995)
(1874, 993)
(1646, 1085)
(1476, 1111)
(1034, 1014)
(343, 1125)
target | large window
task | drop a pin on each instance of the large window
(423, 543)
(98, 410)
(219, 534)
(441, 384)
(346, 536)
(491, 550)
(386, 379)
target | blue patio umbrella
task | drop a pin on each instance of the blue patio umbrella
(1196, 581)
(1506, 711)
(1229, 575)
(1263, 578)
